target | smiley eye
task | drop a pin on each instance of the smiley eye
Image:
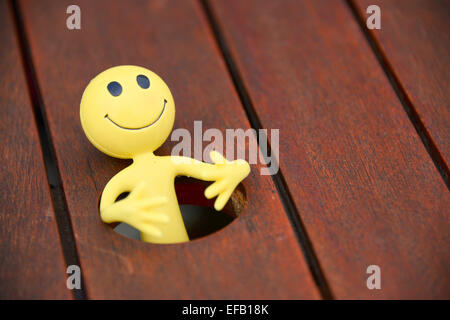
(115, 88)
(143, 81)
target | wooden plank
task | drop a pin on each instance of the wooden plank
(32, 265)
(414, 37)
(360, 178)
(256, 256)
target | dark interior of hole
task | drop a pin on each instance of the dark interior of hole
(199, 215)
(199, 222)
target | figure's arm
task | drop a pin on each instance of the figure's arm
(120, 183)
(227, 174)
(137, 209)
(189, 167)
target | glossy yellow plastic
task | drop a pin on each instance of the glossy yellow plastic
(128, 112)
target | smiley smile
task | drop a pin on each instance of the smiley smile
(146, 126)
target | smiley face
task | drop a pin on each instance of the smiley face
(127, 110)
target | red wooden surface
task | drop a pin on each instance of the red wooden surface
(257, 255)
(415, 39)
(356, 171)
(360, 177)
(32, 265)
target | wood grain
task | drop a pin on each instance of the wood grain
(32, 264)
(414, 37)
(359, 175)
(257, 255)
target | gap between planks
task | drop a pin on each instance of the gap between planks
(59, 203)
(426, 138)
(278, 179)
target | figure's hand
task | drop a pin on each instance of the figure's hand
(230, 174)
(137, 210)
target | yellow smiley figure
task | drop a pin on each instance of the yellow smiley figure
(128, 112)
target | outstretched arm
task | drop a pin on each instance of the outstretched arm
(227, 174)
(189, 167)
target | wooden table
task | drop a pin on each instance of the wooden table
(364, 120)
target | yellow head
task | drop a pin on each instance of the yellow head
(126, 111)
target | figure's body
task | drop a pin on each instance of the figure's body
(133, 127)
(153, 208)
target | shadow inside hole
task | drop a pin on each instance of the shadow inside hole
(199, 222)
(199, 216)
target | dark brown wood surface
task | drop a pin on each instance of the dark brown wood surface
(257, 255)
(353, 130)
(415, 39)
(32, 264)
(361, 179)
